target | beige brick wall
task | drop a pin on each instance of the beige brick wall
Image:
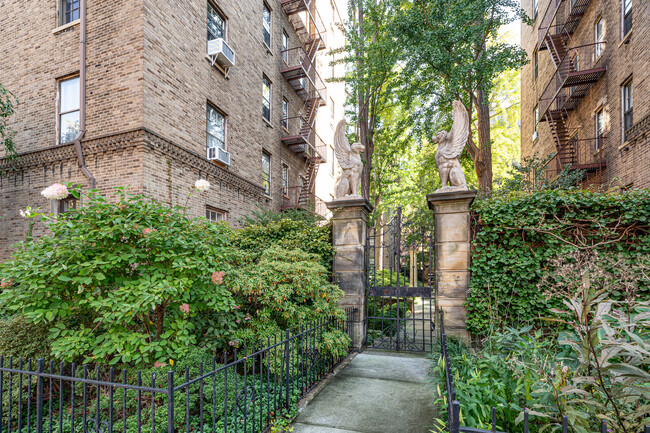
(628, 164)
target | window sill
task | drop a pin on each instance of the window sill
(268, 124)
(286, 130)
(268, 49)
(65, 27)
(624, 146)
(626, 39)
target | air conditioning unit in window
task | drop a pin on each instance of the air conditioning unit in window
(219, 52)
(218, 154)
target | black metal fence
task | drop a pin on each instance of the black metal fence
(453, 406)
(241, 392)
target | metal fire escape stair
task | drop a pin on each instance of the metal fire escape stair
(303, 81)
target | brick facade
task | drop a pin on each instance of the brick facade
(625, 161)
(148, 82)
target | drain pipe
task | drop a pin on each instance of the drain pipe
(82, 95)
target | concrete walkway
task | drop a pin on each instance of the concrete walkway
(377, 392)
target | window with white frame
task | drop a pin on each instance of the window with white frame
(266, 24)
(535, 121)
(215, 215)
(68, 109)
(535, 65)
(285, 113)
(266, 173)
(285, 179)
(285, 47)
(216, 24)
(216, 128)
(535, 9)
(600, 128)
(628, 103)
(626, 13)
(599, 37)
(69, 11)
(266, 98)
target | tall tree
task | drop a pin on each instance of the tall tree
(370, 56)
(452, 50)
(8, 102)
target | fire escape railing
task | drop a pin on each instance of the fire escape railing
(300, 70)
(307, 23)
(558, 9)
(302, 138)
(583, 154)
(295, 198)
(574, 75)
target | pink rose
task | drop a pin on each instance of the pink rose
(217, 277)
(185, 308)
(148, 230)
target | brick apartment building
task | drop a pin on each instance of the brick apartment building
(585, 95)
(155, 95)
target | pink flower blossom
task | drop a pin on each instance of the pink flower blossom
(148, 230)
(6, 283)
(185, 308)
(202, 185)
(247, 318)
(232, 343)
(217, 277)
(236, 307)
(55, 191)
(237, 320)
(158, 364)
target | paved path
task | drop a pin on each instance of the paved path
(377, 392)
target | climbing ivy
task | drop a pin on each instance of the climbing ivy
(519, 238)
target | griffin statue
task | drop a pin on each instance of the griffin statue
(450, 146)
(349, 158)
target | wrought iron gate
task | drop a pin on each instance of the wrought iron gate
(400, 298)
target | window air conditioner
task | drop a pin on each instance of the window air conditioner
(219, 52)
(218, 154)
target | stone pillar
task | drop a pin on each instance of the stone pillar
(452, 256)
(349, 237)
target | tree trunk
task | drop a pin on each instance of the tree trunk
(483, 158)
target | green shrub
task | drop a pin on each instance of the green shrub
(519, 236)
(20, 337)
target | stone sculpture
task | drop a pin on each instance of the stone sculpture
(450, 146)
(349, 158)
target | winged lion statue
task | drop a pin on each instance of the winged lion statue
(450, 146)
(349, 158)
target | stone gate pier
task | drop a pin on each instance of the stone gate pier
(452, 255)
(349, 237)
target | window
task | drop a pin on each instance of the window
(626, 91)
(266, 24)
(535, 9)
(285, 113)
(535, 121)
(600, 128)
(69, 11)
(599, 37)
(266, 98)
(68, 109)
(266, 173)
(215, 215)
(332, 162)
(60, 207)
(216, 24)
(216, 128)
(285, 47)
(285, 179)
(535, 65)
(626, 6)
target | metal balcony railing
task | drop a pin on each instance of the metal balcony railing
(584, 154)
(301, 72)
(296, 198)
(302, 138)
(576, 73)
(306, 20)
(560, 16)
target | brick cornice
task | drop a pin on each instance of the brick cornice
(125, 140)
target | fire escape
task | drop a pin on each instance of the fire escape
(576, 71)
(300, 70)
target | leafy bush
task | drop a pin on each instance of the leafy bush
(519, 236)
(135, 282)
(386, 277)
(21, 337)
